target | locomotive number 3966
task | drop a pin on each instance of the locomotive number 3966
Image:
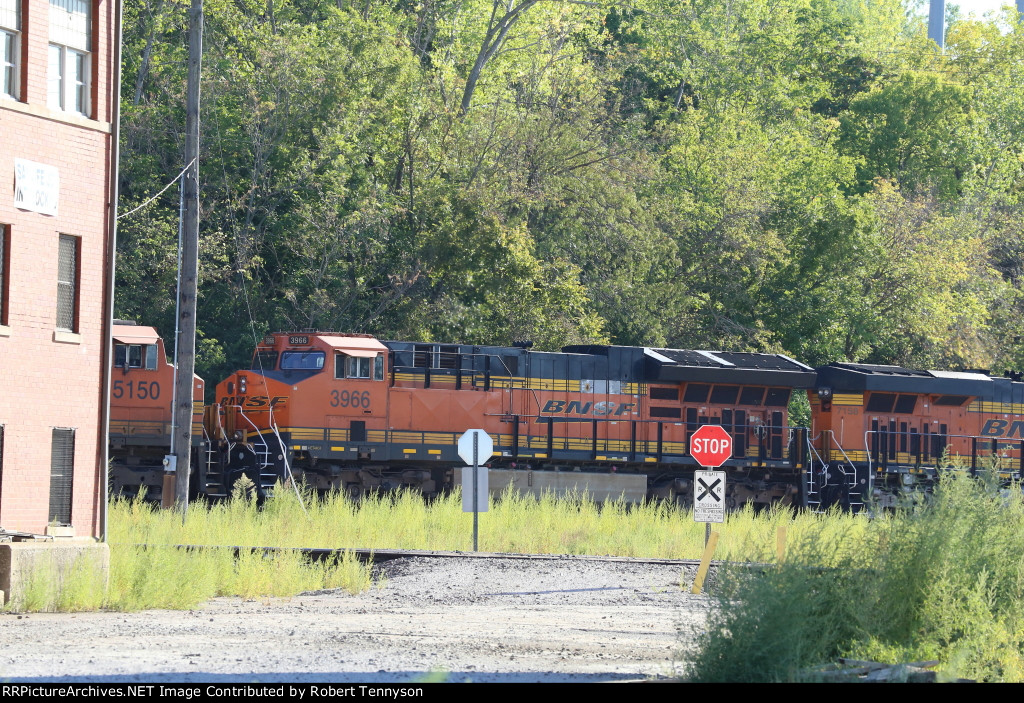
(353, 399)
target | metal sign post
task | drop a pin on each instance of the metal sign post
(711, 446)
(475, 448)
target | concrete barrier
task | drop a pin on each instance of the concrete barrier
(599, 487)
(50, 566)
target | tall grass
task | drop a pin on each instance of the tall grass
(940, 579)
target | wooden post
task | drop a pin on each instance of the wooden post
(185, 344)
(705, 563)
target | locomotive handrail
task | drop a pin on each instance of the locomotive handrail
(872, 450)
(284, 460)
(284, 451)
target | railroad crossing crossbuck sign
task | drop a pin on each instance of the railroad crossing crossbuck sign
(709, 496)
(711, 446)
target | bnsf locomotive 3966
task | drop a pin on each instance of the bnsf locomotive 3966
(349, 412)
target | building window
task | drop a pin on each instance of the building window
(67, 283)
(5, 271)
(10, 36)
(69, 58)
(62, 474)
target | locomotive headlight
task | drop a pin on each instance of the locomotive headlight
(824, 393)
(241, 384)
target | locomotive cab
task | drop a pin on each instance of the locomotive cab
(142, 387)
(305, 397)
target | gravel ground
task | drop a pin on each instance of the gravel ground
(456, 619)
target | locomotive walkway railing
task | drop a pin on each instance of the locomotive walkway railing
(889, 451)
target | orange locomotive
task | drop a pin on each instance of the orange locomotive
(879, 431)
(349, 412)
(142, 389)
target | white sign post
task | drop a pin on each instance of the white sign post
(475, 448)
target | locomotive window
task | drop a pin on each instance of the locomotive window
(696, 393)
(135, 356)
(664, 393)
(777, 398)
(358, 367)
(264, 361)
(951, 399)
(751, 395)
(905, 404)
(724, 395)
(666, 412)
(881, 402)
(302, 360)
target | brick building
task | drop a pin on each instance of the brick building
(59, 73)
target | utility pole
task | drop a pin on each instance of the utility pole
(937, 22)
(188, 277)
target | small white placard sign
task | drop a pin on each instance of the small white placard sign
(36, 186)
(709, 496)
(482, 492)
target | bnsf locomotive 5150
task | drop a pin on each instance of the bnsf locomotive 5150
(349, 412)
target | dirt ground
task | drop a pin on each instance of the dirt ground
(446, 619)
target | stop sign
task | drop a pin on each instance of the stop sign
(711, 446)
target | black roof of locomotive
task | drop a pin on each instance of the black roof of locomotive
(842, 377)
(692, 365)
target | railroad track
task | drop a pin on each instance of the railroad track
(377, 556)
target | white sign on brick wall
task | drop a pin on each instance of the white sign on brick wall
(36, 186)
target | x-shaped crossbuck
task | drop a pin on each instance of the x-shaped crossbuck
(709, 489)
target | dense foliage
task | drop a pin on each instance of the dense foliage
(940, 579)
(806, 176)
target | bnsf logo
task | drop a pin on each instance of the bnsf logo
(997, 428)
(254, 401)
(574, 407)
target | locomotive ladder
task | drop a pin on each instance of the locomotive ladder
(262, 452)
(213, 476)
(846, 469)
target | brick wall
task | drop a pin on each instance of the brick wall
(50, 379)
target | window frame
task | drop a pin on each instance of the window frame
(5, 272)
(62, 475)
(75, 283)
(10, 66)
(344, 364)
(74, 79)
(286, 356)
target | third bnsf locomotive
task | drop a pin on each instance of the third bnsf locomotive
(353, 413)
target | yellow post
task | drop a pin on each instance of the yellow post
(705, 563)
(780, 543)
